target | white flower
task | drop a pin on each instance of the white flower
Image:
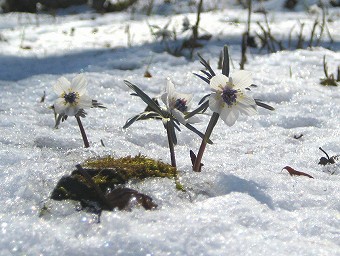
(177, 103)
(72, 95)
(229, 98)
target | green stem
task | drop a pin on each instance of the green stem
(82, 131)
(211, 125)
(171, 144)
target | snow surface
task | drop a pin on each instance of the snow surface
(242, 203)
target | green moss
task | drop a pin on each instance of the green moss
(179, 186)
(138, 167)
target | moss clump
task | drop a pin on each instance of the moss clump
(179, 186)
(138, 167)
(108, 173)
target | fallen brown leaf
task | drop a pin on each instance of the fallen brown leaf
(122, 197)
(293, 172)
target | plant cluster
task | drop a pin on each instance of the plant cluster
(329, 79)
(264, 38)
(191, 40)
(229, 98)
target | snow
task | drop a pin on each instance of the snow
(242, 203)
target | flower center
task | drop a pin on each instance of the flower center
(70, 97)
(229, 96)
(181, 105)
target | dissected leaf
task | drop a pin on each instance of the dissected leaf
(193, 129)
(142, 116)
(263, 105)
(131, 121)
(204, 98)
(201, 109)
(206, 73)
(145, 98)
(96, 104)
(148, 108)
(293, 172)
(203, 78)
(206, 65)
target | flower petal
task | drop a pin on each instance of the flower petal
(249, 110)
(241, 79)
(245, 99)
(79, 84)
(218, 82)
(229, 115)
(183, 96)
(60, 106)
(71, 110)
(170, 87)
(84, 102)
(164, 98)
(179, 116)
(168, 94)
(215, 102)
(61, 86)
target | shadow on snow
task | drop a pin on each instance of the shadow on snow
(14, 68)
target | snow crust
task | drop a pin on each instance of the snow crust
(242, 203)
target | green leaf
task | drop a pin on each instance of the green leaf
(203, 78)
(130, 121)
(145, 98)
(206, 73)
(201, 109)
(142, 116)
(96, 104)
(263, 105)
(193, 129)
(204, 99)
(206, 65)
